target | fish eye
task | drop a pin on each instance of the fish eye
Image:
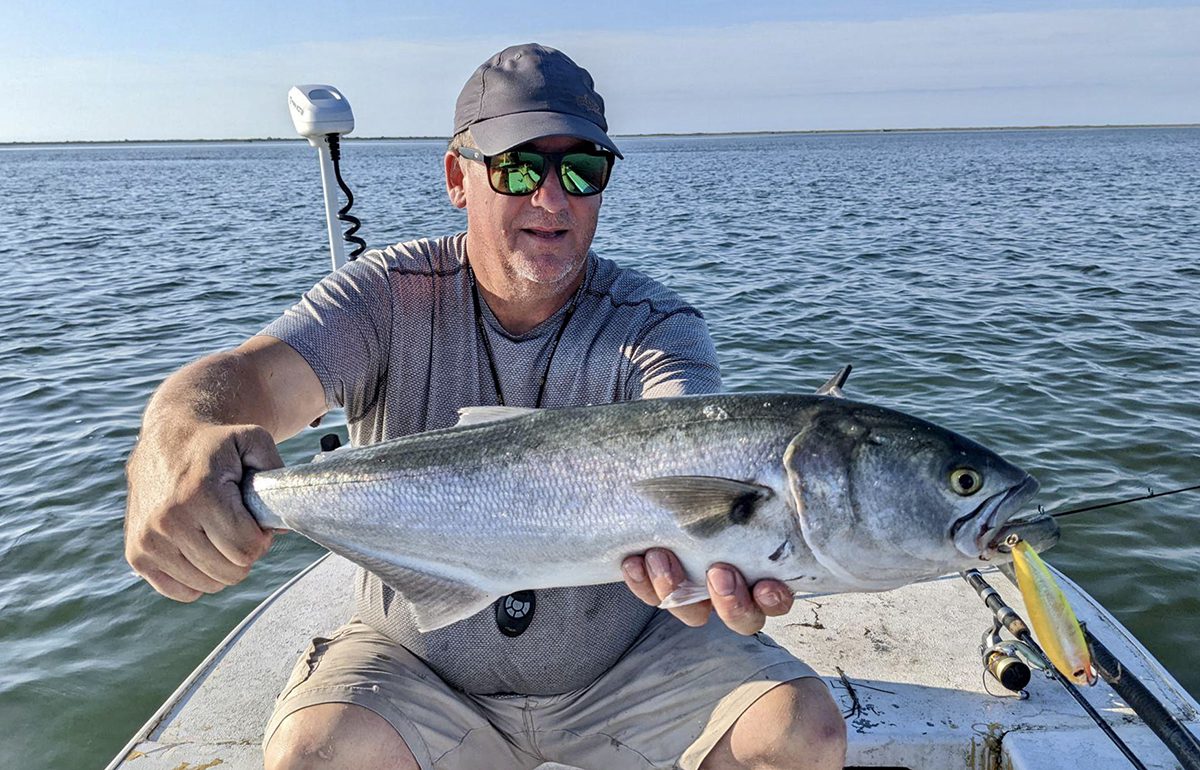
(965, 481)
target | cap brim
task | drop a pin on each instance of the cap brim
(495, 135)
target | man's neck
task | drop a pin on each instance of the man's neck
(521, 306)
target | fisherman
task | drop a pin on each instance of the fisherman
(516, 311)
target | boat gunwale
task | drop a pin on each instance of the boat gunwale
(198, 675)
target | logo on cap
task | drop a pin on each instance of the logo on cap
(588, 103)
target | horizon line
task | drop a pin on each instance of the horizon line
(648, 135)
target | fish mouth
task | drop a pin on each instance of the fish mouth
(980, 532)
(1039, 530)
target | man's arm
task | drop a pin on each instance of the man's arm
(186, 530)
(675, 359)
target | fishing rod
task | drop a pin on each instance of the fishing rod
(1173, 733)
(1098, 506)
(1009, 618)
(1004, 662)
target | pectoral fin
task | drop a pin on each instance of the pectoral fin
(705, 506)
(686, 593)
(436, 601)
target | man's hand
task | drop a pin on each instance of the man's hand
(187, 531)
(655, 575)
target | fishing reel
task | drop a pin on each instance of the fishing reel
(1008, 661)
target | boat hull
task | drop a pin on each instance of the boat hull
(904, 665)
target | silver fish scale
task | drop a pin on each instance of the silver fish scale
(547, 486)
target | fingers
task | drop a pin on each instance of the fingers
(169, 586)
(239, 542)
(660, 574)
(257, 449)
(212, 531)
(236, 538)
(634, 569)
(182, 566)
(655, 575)
(187, 530)
(177, 548)
(232, 529)
(732, 601)
(210, 551)
(773, 597)
(165, 567)
(742, 609)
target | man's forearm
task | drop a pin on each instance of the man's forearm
(220, 389)
(263, 382)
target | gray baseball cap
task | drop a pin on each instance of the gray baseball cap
(527, 92)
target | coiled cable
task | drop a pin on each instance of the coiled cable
(344, 212)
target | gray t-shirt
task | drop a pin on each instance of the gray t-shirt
(394, 340)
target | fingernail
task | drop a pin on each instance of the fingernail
(722, 581)
(770, 599)
(633, 570)
(656, 562)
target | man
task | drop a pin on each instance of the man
(515, 311)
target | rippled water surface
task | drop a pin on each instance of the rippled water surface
(1034, 289)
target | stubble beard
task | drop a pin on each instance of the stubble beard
(539, 280)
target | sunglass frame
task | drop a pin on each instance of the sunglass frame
(554, 158)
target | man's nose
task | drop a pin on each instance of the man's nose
(551, 196)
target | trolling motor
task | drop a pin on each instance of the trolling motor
(321, 114)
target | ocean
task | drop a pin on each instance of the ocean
(1035, 290)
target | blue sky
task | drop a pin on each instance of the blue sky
(104, 70)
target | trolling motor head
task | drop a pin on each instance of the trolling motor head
(319, 110)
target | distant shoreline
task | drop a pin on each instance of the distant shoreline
(667, 134)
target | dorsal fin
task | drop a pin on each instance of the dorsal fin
(705, 505)
(477, 415)
(834, 386)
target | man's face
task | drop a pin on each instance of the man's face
(537, 242)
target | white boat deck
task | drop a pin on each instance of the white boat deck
(916, 695)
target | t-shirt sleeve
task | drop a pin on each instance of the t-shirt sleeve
(674, 357)
(342, 327)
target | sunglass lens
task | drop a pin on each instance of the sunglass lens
(517, 173)
(583, 173)
(521, 172)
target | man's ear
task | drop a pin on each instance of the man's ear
(455, 188)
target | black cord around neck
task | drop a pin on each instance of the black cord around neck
(487, 345)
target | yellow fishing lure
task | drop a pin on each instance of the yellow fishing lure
(1051, 616)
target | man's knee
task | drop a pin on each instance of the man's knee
(818, 727)
(794, 725)
(337, 735)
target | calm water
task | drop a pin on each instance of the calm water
(1036, 290)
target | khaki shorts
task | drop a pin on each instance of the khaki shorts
(664, 704)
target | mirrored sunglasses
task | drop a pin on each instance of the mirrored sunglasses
(521, 172)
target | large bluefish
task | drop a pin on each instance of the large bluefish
(827, 494)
